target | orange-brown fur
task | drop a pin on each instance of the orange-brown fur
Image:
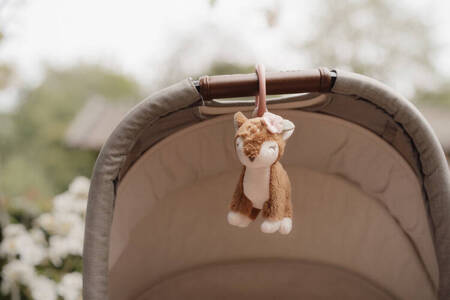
(254, 133)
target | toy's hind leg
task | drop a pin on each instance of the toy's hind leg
(242, 212)
(286, 222)
(273, 214)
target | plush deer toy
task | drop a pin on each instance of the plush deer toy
(263, 184)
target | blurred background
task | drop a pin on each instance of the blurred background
(70, 70)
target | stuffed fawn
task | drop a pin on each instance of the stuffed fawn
(263, 184)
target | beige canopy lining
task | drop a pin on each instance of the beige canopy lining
(262, 279)
(349, 108)
(176, 107)
(353, 194)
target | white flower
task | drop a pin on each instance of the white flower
(8, 247)
(70, 286)
(26, 249)
(24, 245)
(59, 223)
(67, 202)
(43, 288)
(47, 222)
(29, 251)
(58, 250)
(61, 247)
(80, 187)
(14, 273)
(38, 236)
(13, 230)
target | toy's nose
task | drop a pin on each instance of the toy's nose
(252, 158)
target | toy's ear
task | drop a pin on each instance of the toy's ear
(239, 119)
(288, 129)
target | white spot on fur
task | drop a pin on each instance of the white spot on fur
(286, 226)
(238, 219)
(270, 226)
(267, 155)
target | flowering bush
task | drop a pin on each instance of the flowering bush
(43, 260)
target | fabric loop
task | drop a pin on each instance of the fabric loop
(260, 98)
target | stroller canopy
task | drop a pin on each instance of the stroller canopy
(370, 187)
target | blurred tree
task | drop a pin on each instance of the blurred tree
(5, 70)
(439, 96)
(5, 75)
(32, 151)
(379, 38)
(272, 14)
(212, 3)
(173, 72)
(223, 68)
(7, 12)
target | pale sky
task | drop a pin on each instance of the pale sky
(136, 36)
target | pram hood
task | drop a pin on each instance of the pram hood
(362, 139)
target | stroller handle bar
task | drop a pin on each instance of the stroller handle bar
(287, 82)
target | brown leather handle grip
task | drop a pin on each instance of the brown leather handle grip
(243, 85)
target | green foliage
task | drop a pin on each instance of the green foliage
(223, 68)
(32, 151)
(378, 38)
(212, 3)
(5, 75)
(72, 263)
(439, 96)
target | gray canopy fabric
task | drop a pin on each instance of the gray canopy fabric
(354, 98)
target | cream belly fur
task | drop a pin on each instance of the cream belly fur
(256, 185)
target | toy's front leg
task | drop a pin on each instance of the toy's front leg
(277, 217)
(272, 212)
(277, 211)
(242, 211)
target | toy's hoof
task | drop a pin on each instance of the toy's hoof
(286, 226)
(270, 226)
(238, 219)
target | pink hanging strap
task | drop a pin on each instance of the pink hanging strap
(260, 98)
